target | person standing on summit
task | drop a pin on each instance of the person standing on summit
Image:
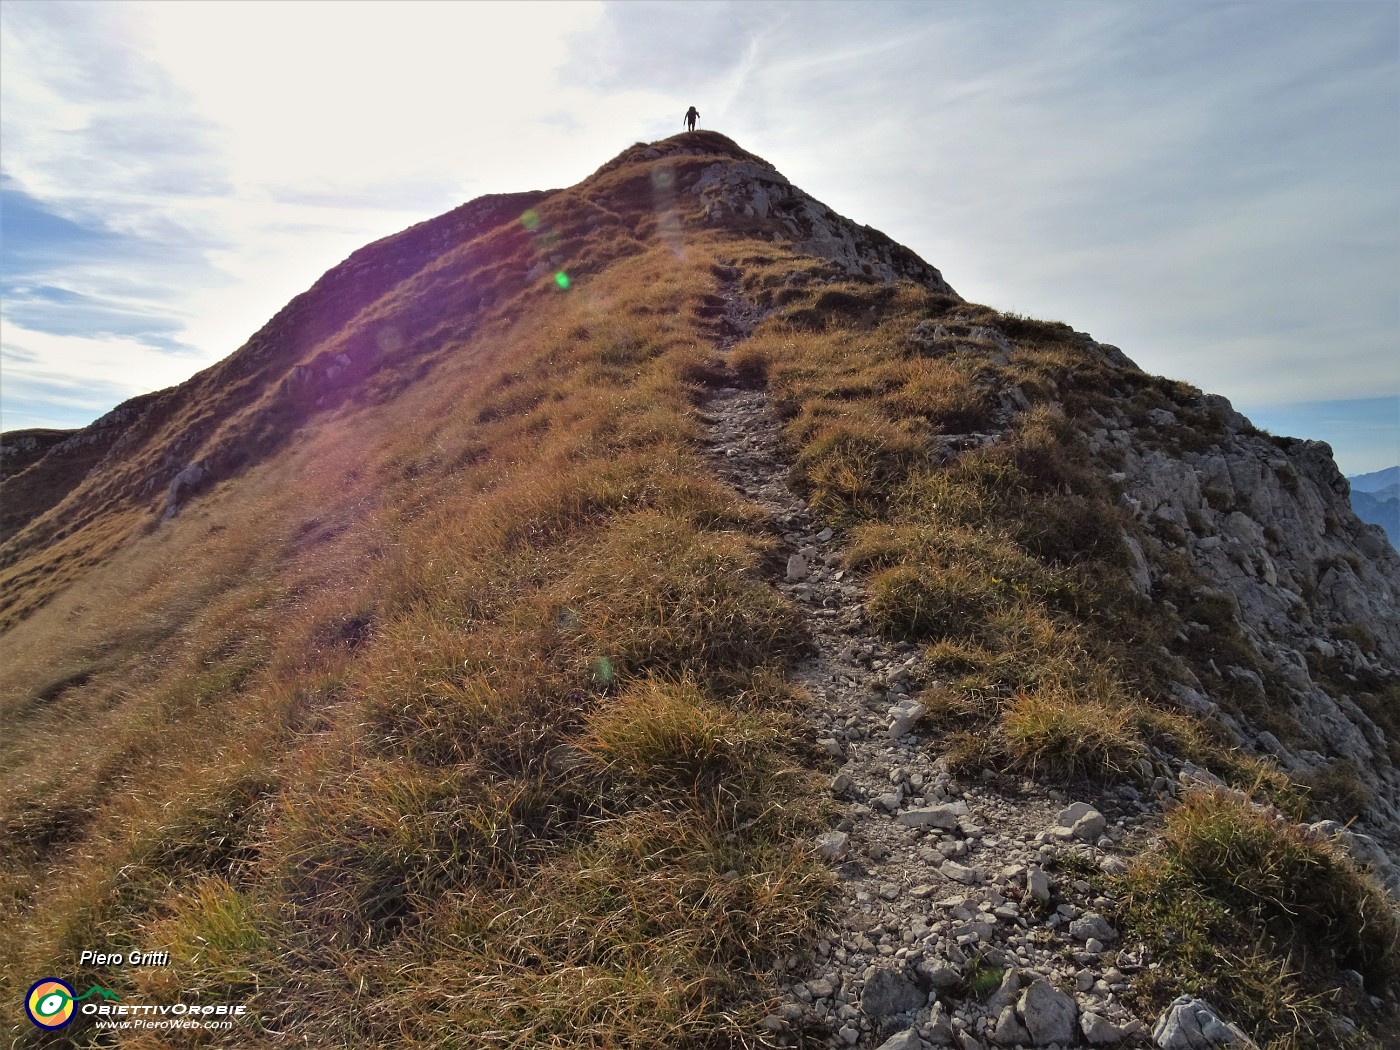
(691, 116)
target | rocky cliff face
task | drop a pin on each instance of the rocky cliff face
(1282, 607)
(1262, 527)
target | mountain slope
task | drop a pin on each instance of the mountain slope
(1376, 480)
(1376, 499)
(1378, 511)
(464, 660)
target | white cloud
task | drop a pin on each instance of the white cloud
(324, 95)
(1211, 186)
(79, 373)
(240, 150)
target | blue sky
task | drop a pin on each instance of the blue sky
(1214, 187)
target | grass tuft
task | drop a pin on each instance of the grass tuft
(668, 744)
(1256, 913)
(1069, 738)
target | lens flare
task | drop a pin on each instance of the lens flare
(389, 340)
(603, 670)
(561, 279)
(530, 220)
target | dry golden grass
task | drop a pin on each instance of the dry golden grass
(1257, 914)
(456, 717)
(361, 663)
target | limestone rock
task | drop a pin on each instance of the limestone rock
(904, 718)
(906, 1040)
(938, 1030)
(1038, 884)
(831, 846)
(1007, 994)
(960, 873)
(944, 817)
(1093, 926)
(1050, 1016)
(756, 191)
(1191, 1024)
(184, 482)
(1099, 1030)
(1009, 1030)
(943, 977)
(1287, 567)
(888, 992)
(1081, 821)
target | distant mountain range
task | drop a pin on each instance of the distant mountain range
(1376, 499)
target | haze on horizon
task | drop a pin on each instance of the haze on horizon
(1214, 187)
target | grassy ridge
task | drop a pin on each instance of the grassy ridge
(461, 720)
(477, 735)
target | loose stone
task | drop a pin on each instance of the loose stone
(1050, 1016)
(831, 846)
(1099, 1030)
(1081, 821)
(1038, 884)
(943, 817)
(1009, 1030)
(887, 992)
(1092, 926)
(906, 1040)
(1191, 1024)
(958, 873)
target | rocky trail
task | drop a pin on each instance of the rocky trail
(963, 915)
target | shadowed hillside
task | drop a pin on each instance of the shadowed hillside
(662, 612)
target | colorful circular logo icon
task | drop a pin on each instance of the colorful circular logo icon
(50, 1003)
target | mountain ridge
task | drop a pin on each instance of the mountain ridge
(639, 656)
(1376, 499)
(1377, 479)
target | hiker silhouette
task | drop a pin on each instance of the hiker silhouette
(691, 116)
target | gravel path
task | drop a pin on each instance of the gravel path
(956, 920)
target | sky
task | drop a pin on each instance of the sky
(1213, 187)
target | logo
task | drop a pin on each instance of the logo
(49, 1003)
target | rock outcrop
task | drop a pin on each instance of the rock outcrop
(1191, 1024)
(19, 448)
(1259, 530)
